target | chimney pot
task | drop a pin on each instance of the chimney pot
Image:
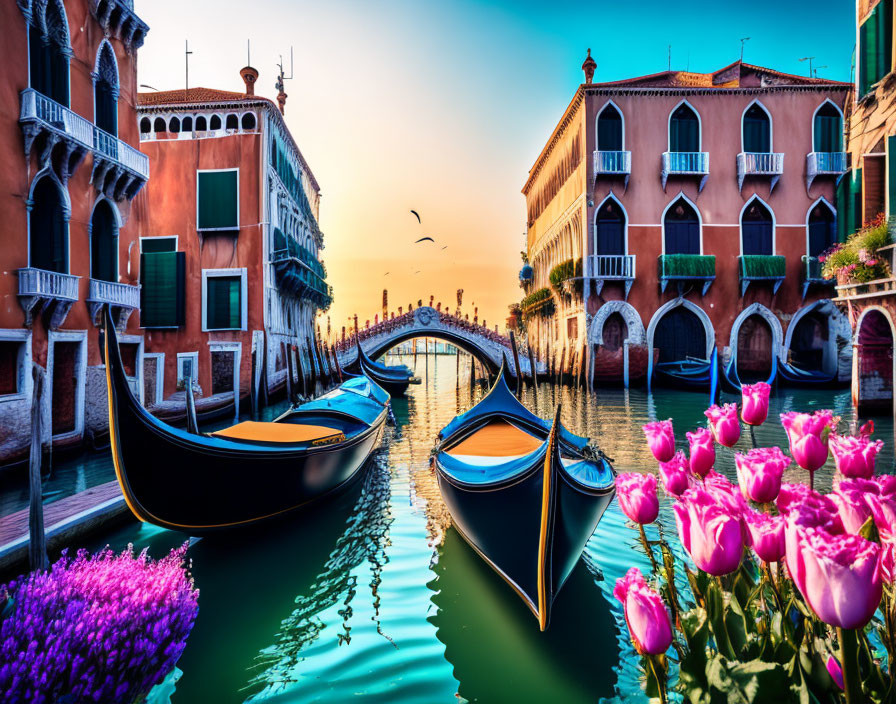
(249, 76)
(588, 67)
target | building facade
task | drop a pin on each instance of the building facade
(232, 253)
(72, 185)
(677, 213)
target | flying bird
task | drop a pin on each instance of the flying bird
(445, 247)
(386, 274)
(417, 272)
(425, 239)
(417, 215)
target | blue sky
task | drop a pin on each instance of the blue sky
(444, 106)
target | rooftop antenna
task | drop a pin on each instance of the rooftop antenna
(281, 77)
(248, 52)
(743, 41)
(187, 53)
(669, 64)
(817, 69)
(809, 59)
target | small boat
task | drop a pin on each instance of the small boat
(395, 379)
(731, 377)
(243, 474)
(790, 375)
(525, 493)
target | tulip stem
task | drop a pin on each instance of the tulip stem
(753, 437)
(849, 661)
(660, 681)
(647, 548)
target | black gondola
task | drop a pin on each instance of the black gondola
(525, 493)
(243, 474)
(395, 379)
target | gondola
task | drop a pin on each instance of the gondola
(789, 375)
(525, 493)
(395, 379)
(243, 474)
(732, 381)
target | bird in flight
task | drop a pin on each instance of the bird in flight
(386, 274)
(425, 239)
(417, 215)
(445, 247)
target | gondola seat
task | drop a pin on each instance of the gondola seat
(253, 431)
(497, 439)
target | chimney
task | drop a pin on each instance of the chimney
(249, 76)
(588, 67)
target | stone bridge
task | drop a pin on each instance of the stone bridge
(486, 345)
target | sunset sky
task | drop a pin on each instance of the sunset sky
(443, 107)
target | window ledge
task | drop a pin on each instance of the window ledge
(10, 398)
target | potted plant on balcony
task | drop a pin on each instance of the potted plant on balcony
(857, 261)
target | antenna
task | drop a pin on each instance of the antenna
(669, 65)
(248, 52)
(809, 59)
(187, 53)
(743, 40)
(817, 69)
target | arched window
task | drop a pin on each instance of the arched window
(757, 229)
(215, 123)
(174, 125)
(104, 243)
(105, 91)
(684, 130)
(822, 229)
(187, 124)
(49, 51)
(757, 130)
(233, 122)
(827, 129)
(680, 336)
(615, 332)
(609, 129)
(248, 121)
(201, 124)
(159, 125)
(48, 227)
(681, 229)
(145, 125)
(609, 228)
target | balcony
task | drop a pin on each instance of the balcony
(811, 274)
(686, 164)
(49, 291)
(613, 164)
(299, 273)
(119, 170)
(611, 267)
(760, 164)
(824, 164)
(684, 268)
(757, 268)
(122, 299)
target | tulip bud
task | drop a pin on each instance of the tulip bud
(660, 439)
(766, 535)
(808, 437)
(637, 497)
(703, 451)
(675, 475)
(754, 403)
(855, 456)
(711, 532)
(759, 473)
(648, 620)
(724, 423)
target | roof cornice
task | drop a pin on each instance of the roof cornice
(565, 121)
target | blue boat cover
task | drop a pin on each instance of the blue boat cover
(487, 474)
(597, 475)
(399, 371)
(352, 404)
(792, 374)
(501, 401)
(366, 387)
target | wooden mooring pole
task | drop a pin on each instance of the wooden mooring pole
(192, 420)
(253, 385)
(533, 373)
(37, 543)
(518, 370)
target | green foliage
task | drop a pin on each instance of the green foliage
(539, 302)
(698, 266)
(560, 274)
(857, 259)
(762, 266)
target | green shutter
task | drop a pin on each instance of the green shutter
(157, 244)
(162, 277)
(891, 176)
(218, 200)
(875, 46)
(223, 304)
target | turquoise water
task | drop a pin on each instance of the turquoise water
(376, 598)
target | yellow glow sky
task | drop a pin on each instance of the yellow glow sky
(444, 106)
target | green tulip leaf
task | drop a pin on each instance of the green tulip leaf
(869, 531)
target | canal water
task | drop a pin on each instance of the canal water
(376, 597)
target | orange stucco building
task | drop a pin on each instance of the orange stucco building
(71, 210)
(685, 212)
(231, 257)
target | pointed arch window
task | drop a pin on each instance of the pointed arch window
(48, 227)
(684, 130)
(106, 91)
(757, 130)
(609, 130)
(610, 229)
(827, 129)
(681, 228)
(822, 229)
(49, 50)
(104, 243)
(757, 229)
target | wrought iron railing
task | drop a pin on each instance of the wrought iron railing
(611, 266)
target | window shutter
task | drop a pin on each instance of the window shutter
(162, 276)
(891, 176)
(223, 304)
(218, 205)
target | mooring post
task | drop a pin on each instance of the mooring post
(263, 395)
(192, 420)
(300, 368)
(37, 543)
(289, 379)
(518, 370)
(253, 386)
(313, 364)
(533, 370)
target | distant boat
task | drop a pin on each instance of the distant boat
(525, 493)
(243, 474)
(394, 379)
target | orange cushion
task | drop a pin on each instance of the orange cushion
(280, 432)
(497, 439)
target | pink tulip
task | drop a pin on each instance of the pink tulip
(835, 671)
(766, 535)
(660, 439)
(855, 455)
(719, 486)
(887, 484)
(794, 497)
(841, 576)
(854, 499)
(675, 475)
(703, 451)
(803, 507)
(759, 473)
(867, 430)
(712, 534)
(724, 423)
(808, 437)
(754, 404)
(637, 496)
(648, 620)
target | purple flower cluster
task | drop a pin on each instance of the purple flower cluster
(105, 628)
